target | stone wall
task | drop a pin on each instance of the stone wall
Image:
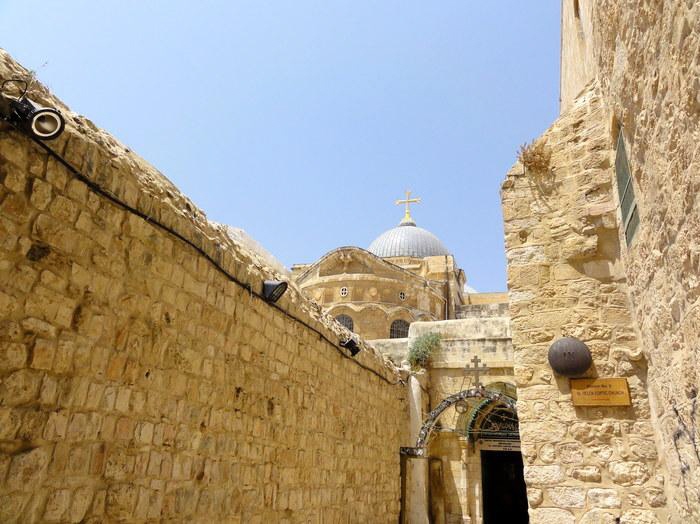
(648, 63)
(565, 278)
(139, 382)
(496, 309)
(645, 55)
(456, 490)
(577, 62)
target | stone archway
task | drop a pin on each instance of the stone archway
(419, 451)
(478, 392)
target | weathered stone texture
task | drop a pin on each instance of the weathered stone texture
(138, 383)
(456, 483)
(645, 55)
(565, 278)
(650, 74)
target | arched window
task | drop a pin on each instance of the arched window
(346, 321)
(399, 329)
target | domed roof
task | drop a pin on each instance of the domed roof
(407, 240)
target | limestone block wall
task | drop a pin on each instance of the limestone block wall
(395, 349)
(455, 472)
(496, 309)
(138, 382)
(577, 63)
(648, 63)
(565, 278)
(460, 341)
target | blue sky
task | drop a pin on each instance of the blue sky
(302, 121)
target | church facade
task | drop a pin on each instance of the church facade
(407, 285)
(405, 275)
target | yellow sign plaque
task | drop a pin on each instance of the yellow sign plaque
(600, 392)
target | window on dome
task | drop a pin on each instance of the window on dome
(402, 295)
(346, 321)
(343, 291)
(398, 329)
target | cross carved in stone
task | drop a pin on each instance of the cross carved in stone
(475, 370)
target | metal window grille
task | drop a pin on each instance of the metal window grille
(398, 329)
(346, 321)
(625, 189)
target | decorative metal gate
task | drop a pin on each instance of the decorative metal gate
(479, 392)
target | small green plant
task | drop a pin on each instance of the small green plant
(422, 348)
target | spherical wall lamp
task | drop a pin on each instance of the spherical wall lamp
(569, 357)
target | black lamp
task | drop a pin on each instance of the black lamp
(44, 123)
(570, 357)
(274, 289)
(352, 346)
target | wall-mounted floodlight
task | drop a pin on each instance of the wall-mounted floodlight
(44, 123)
(274, 289)
(352, 346)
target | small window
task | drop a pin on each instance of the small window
(346, 321)
(577, 10)
(402, 295)
(399, 329)
(625, 189)
(343, 292)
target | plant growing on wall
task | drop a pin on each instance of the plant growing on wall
(422, 348)
(535, 156)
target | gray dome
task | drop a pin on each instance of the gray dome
(407, 240)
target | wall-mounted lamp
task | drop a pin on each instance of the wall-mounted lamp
(352, 346)
(44, 123)
(570, 357)
(274, 289)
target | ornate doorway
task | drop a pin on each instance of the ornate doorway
(476, 471)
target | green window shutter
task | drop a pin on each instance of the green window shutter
(628, 205)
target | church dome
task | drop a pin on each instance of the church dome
(407, 240)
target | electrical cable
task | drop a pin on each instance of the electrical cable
(115, 200)
(16, 81)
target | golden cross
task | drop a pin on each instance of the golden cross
(408, 201)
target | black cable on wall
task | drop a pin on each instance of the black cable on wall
(96, 188)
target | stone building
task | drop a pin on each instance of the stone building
(145, 375)
(601, 231)
(405, 275)
(407, 284)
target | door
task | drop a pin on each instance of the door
(505, 499)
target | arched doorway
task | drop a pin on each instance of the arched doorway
(482, 435)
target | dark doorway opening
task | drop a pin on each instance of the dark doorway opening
(505, 498)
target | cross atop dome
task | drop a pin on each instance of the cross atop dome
(407, 219)
(407, 239)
